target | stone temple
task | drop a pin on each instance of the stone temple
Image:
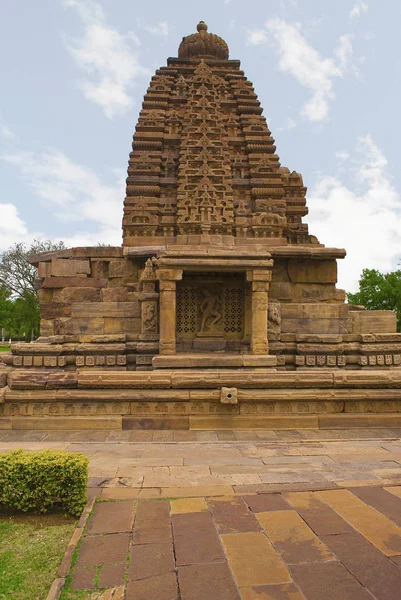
(220, 309)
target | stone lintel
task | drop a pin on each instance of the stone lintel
(142, 251)
(78, 252)
(312, 252)
(205, 263)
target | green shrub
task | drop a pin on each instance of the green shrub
(39, 480)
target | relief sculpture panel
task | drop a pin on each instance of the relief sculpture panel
(210, 309)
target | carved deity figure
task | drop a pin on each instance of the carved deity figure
(274, 317)
(150, 318)
(210, 309)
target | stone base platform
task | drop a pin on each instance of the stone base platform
(214, 360)
(199, 399)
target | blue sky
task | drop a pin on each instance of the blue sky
(327, 74)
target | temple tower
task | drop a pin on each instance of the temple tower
(203, 158)
(207, 195)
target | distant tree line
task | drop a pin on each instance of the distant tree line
(379, 291)
(19, 305)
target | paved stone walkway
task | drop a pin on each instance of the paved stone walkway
(329, 545)
(237, 515)
(127, 465)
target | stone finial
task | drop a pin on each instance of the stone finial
(149, 272)
(203, 45)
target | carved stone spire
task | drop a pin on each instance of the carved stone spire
(205, 195)
(203, 159)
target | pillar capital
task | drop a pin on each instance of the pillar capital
(260, 286)
(167, 286)
(169, 274)
(259, 275)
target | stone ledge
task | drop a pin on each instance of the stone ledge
(159, 422)
(67, 423)
(203, 379)
(212, 360)
(253, 422)
(345, 420)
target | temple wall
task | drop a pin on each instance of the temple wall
(90, 295)
(305, 280)
(95, 315)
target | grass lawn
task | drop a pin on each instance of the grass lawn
(31, 549)
(4, 348)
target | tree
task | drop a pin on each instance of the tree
(379, 291)
(6, 310)
(19, 305)
(16, 274)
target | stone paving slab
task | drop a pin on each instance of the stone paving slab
(153, 466)
(263, 515)
(226, 548)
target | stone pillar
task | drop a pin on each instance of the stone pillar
(149, 298)
(168, 280)
(260, 301)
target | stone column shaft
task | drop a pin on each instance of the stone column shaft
(259, 342)
(167, 317)
(260, 302)
(167, 325)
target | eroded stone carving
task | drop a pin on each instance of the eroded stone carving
(211, 311)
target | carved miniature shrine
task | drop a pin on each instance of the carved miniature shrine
(220, 310)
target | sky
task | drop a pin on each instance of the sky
(328, 75)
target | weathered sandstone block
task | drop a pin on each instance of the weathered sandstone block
(65, 282)
(124, 380)
(115, 294)
(44, 269)
(76, 294)
(82, 326)
(122, 325)
(316, 325)
(314, 311)
(372, 321)
(62, 423)
(312, 271)
(229, 395)
(123, 268)
(54, 310)
(106, 309)
(62, 267)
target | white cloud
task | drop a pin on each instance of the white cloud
(73, 192)
(257, 37)
(12, 227)
(290, 124)
(108, 58)
(5, 131)
(344, 50)
(161, 28)
(363, 216)
(342, 155)
(301, 60)
(358, 8)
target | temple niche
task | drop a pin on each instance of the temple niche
(218, 283)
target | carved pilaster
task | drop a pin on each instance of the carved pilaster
(149, 302)
(260, 302)
(168, 309)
